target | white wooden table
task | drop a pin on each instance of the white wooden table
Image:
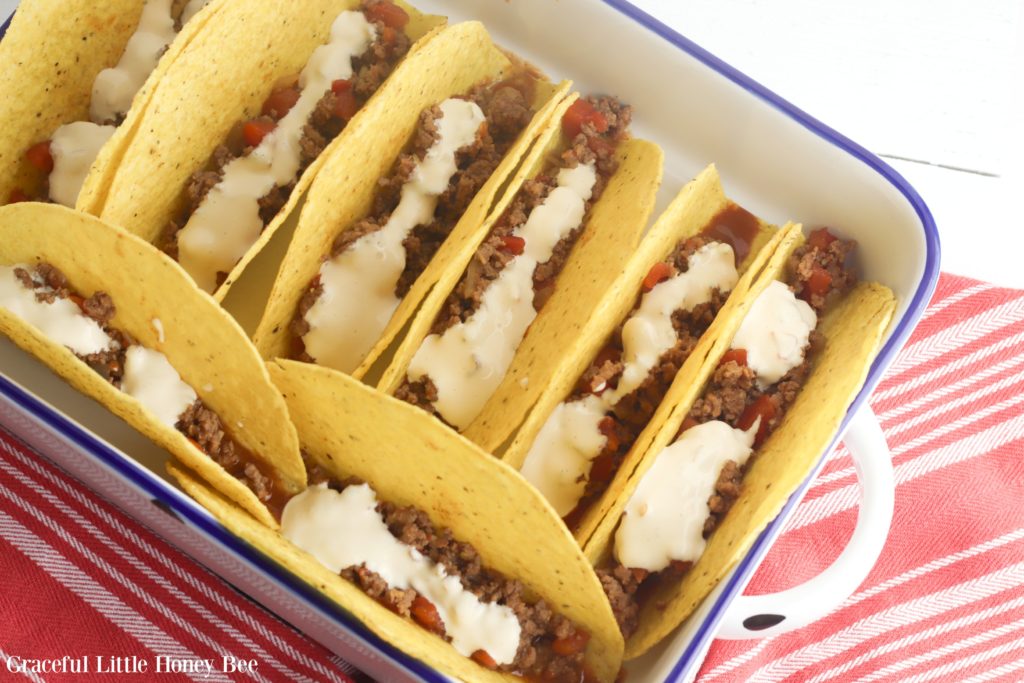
(936, 87)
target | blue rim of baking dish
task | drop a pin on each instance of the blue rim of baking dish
(144, 479)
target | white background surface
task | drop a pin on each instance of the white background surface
(936, 87)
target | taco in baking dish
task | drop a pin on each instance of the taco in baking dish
(411, 534)
(786, 363)
(76, 74)
(392, 209)
(639, 351)
(482, 347)
(125, 325)
(239, 123)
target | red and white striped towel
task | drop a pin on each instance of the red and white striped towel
(946, 600)
(945, 603)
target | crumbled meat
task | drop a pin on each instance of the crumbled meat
(620, 586)
(370, 582)
(832, 259)
(109, 363)
(100, 307)
(422, 393)
(731, 388)
(204, 427)
(727, 490)
(540, 625)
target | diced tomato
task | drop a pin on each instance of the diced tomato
(17, 195)
(341, 85)
(761, 408)
(572, 644)
(280, 102)
(639, 574)
(484, 659)
(425, 614)
(345, 105)
(513, 244)
(388, 35)
(659, 272)
(39, 156)
(254, 131)
(738, 356)
(817, 284)
(607, 427)
(688, 423)
(580, 113)
(820, 238)
(388, 14)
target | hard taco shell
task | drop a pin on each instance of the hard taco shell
(201, 341)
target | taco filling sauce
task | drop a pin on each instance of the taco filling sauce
(230, 205)
(66, 158)
(474, 339)
(43, 298)
(396, 556)
(693, 483)
(585, 439)
(457, 146)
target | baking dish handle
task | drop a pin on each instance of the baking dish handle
(760, 616)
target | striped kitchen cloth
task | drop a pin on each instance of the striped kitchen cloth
(946, 600)
(945, 603)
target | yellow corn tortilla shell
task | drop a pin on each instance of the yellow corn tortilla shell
(457, 59)
(612, 231)
(222, 78)
(409, 459)
(49, 59)
(853, 330)
(201, 341)
(689, 213)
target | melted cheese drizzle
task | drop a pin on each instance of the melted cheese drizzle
(345, 530)
(775, 333)
(75, 146)
(62, 320)
(468, 360)
(664, 519)
(559, 459)
(150, 378)
(114, 88)
(227, 223)
(358, 296)
(148, 375)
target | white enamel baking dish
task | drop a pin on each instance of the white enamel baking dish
(774, 159)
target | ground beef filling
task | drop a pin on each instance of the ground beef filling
(732, 394)
(331, 114)
(499, 247)
(623, 424)
(551, 648)
(506, 107)
(200, 424)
